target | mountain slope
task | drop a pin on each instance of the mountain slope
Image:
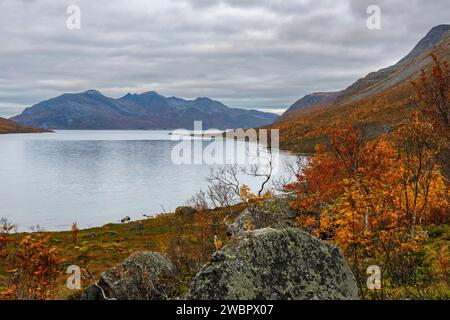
(313, 99)
(377, 81)
(8, 126)
(149, 110)
(377, 103)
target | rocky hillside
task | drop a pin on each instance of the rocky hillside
(377, 103)
(8, 126)
(150, 110)
(406, 68)
(314, 99)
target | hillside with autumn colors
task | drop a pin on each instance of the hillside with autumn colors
(376, 104)
(8, 126)
(376, 189)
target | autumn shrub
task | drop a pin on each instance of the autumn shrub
(5, 238)
(432, 99)
(35, 270)
(253, 203)
(375, 199)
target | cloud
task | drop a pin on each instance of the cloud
(255, 53)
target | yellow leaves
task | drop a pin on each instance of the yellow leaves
(374, 196)
(252, 199)
(244, 192)
(249, 224)
(217, 243)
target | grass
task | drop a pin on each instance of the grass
(101, 248)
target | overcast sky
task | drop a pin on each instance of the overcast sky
(245, 53)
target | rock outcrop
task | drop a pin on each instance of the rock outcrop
(185, 211)
(142, 276)
(275, 213)
(275, 264)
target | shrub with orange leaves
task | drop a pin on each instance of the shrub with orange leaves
(433, 95)
(251, 199)
(443, 263)
(5, 229)
(373, 198)
(217, 243)
(35, 271)
(432, 98)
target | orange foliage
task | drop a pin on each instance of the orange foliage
(5, 229)
(35, 271)
(433, 95)
(372, 198)
(249, 199)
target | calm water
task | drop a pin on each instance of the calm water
(94, 177)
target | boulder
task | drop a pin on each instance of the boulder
(185, 211)
(91, 236)
(275, 213)
(126, 219)
(92, 293)
(275, 264)
(138, 227)
(142, 276)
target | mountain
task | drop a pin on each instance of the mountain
(431, 39)
(8, 126)
(410, 65)
(313, 99)
(376, 103)
(377, 81)
(149, 110)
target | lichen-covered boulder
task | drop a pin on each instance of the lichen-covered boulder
(275, 264)
(142, 276)
(185, 211)
(275, 213)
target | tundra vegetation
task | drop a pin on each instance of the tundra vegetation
(383, 200)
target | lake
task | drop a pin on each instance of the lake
(97, 177)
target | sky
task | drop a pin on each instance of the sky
(261, 54)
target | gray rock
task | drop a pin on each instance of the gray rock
(138, 227)
(142, 276)
(92, 293)
(110, 233)
(91, 236)
(185, 211)
(275, 213)
(275, 264)
(126, 219)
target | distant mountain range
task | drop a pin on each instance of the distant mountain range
(378, 102)
(8, 126)
(149, 110)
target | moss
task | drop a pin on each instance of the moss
(275, 264)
